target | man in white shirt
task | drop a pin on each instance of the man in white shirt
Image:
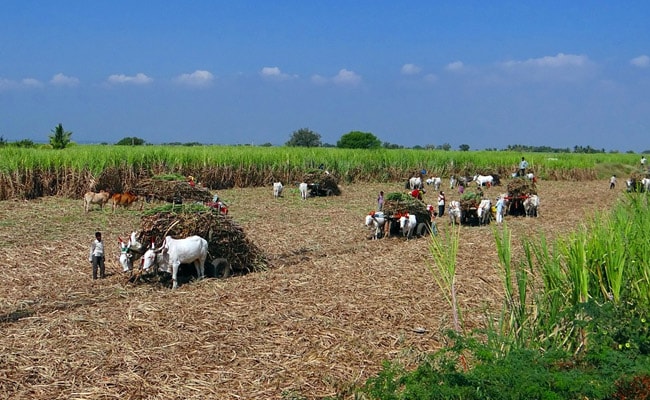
(96, 256)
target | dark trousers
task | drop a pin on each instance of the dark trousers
(98, 261)
(441, 210)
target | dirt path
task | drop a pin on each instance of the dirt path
(330, 309)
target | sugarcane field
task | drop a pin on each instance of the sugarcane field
(311, 304)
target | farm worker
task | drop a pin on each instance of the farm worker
(96, 256)
(643, 161)
(461, 188)
(190, 180)
(522, 167)
(441, 203)
(612, 182)
(501, 202)
(380, 201)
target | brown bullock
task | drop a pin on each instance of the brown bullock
(91, 198)
(124, 199)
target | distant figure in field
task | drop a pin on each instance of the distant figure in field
(612, 182)
(523, 164)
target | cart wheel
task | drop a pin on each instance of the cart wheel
(329, 193)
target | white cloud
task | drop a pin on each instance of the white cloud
(31, 82)
(318, 79)
(455, 66)
(345, 77)
(6, 84)
(410, 69)
(62, 80)
(641, 61)
(198, 78)
(561, 67)
(138, 79)
(274, 73)
(558, 61)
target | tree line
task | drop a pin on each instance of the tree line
(305, 137)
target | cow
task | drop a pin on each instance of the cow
(174, 252)
(407, 223)
(483, 180)
(127, 251)
(304, 190)
(277, 189)
(531, 205)
(124, 200)
(454, 212)
(91, 198)
(436, 181)
(415, 183)
(377, 221)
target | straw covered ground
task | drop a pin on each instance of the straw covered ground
(320, 319)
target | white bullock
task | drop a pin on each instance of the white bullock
(174, 252)
(529, 175)
(407, 224)
(304, 190)
(435, 181)
(454, 212)
(531, 205)
(483, 180)
(415, 183)
(377, 221)
(127, 251)
(277, 189)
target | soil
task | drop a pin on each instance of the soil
(331, 306)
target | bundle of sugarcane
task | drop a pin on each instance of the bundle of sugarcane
(325, 180)
(397, 203)
(226, 239)
(173, 191)
(518, 187)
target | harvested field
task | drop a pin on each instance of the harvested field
(331, 307)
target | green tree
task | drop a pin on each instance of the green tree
(358, 140)
(304, 137)
(60, 139)
(463, 147)
(130, 141)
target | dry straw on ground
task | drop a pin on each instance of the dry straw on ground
(330, 309)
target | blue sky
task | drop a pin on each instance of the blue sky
(552, 73)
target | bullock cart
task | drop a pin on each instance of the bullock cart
(397, 205)
(322, 183)
(474, 209)
(518, 191)
(229, 249)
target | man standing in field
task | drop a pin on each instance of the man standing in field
(612, 182)
(96, 256)
(522, 167)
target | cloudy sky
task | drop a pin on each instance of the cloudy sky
(552, 73)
